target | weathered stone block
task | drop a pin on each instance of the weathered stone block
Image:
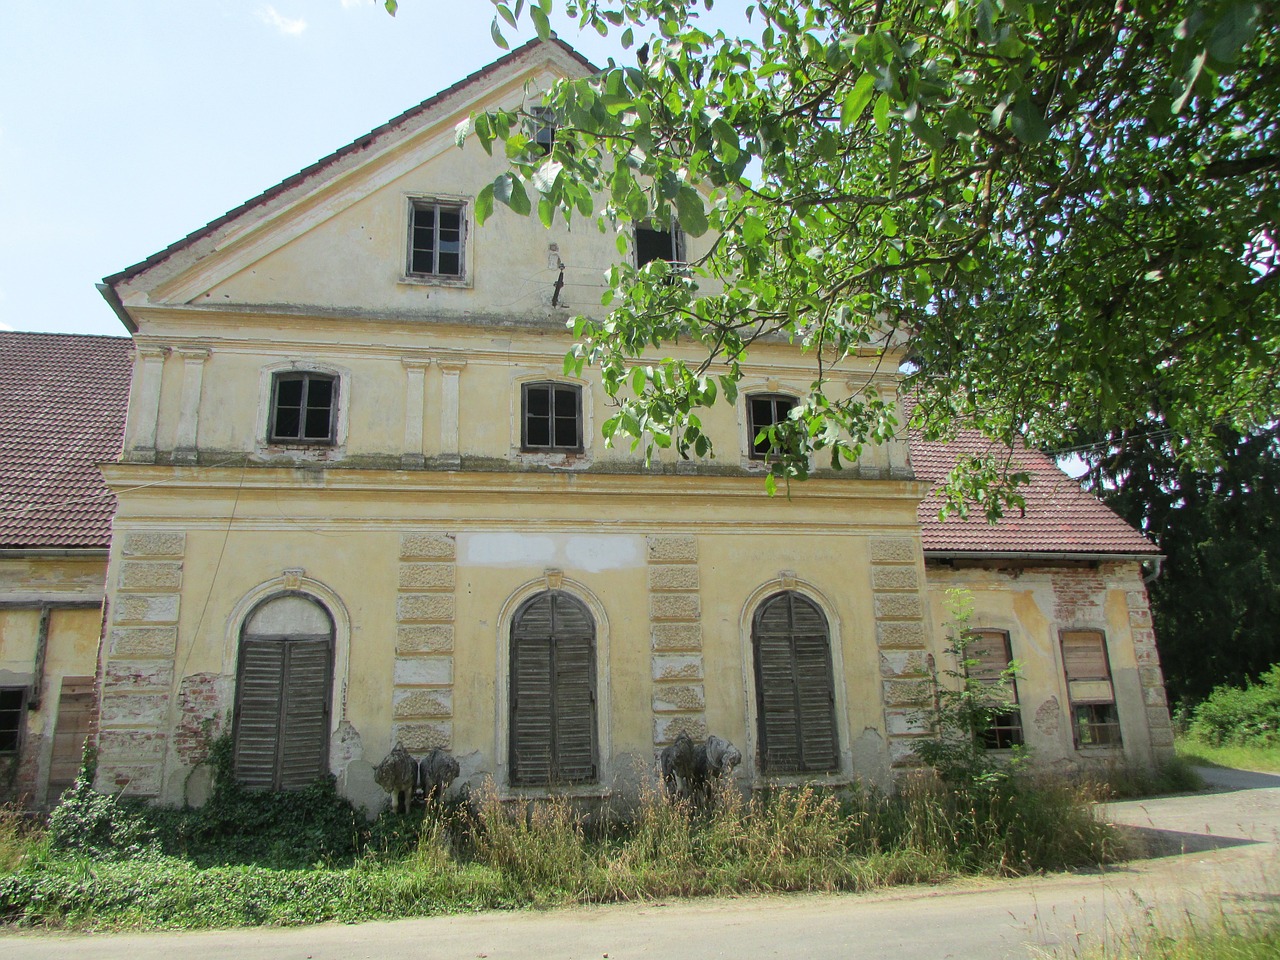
(677, 668)
(1157, 717)
(422, 736)
(425, 606)
(1154, 696)
(901, 634)
(155, 544)
(1149, 676)
(673, 576)
(1162, 736)
(903, 663)
(892, 550)
(902, 752)
(666, 729)
(150, 575)
(901, 606)
(133, 709)
(124, 746)
(907, 691)
(141, 608)
(426, 576)
(899, 722)
(422, 703)
(425, 638)
(1140, 618)
(674, 606)
(895, 578)
(415, 671)
(143, 641)
(672, 548)
(677, 636)
(131, 779)
(677, 697)
(121, 675)
(428, 546)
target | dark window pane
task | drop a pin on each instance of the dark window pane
(319, 393)
(450, 223)
(318, 424)
(567, 432)
(287, 422)
(450, 264)
(289, 392)
(538, 401)
(654, 244)
(539, 433)
(11, 701)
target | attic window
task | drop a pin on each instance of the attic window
(765, 410)
(655, 242)
(542, 129)
(437, 234)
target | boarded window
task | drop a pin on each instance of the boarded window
(303, 408)
(553, 692)
(551, 417)
(1093, 701)
(795, 695)
(75, 714)
(989, 655)
(436, 239)
(763, 411)
(282, 695)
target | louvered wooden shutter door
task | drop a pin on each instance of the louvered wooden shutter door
(304, 728)
(553, 716)
(258, 695)
(795, 695)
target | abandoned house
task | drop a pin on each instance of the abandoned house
(355, 502)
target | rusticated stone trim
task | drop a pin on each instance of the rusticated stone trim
(1150, 675)
(675, 628)
(138, 671)
(897, 590)
(422, 678)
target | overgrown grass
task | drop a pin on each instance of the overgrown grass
(1221, 938)
(1127, 781)
(1240, 756)
(495, 853)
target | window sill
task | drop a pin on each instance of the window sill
(428, 280)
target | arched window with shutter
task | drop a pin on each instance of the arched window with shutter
(795, 693)
(283, 688)
(553, 692)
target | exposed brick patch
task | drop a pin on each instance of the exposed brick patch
(1078, 595)
(199, 717)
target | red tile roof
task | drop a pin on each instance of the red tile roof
(62, 408)
(1060, 517)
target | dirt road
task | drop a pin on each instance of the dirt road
(1233, 863)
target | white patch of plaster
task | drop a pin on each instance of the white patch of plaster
(589, 553)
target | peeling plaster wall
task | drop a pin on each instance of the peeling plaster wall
(1033, 603)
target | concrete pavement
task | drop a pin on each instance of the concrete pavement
(1233, 864)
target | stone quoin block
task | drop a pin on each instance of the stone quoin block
(155, 544)
(673, 576)
(674, 606)
(667, 728)
(676, 697)
(121, 674)
(677, 636)
(426, 576)
(131, 745)
(892, 550)
(895, 578)
(907, 691)
(141, 608)
(422, 703)
(672, 549)
(902, 752)
(902, 606)
(903, 663)
(143, 641)
(150, 575)
(421, 737)
(415, 671)
(133, 709)
(900, 634)
(424, 606)
(425, 638)
(428, 546)
(910, 722)
(677, 668)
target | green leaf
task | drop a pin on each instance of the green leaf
(484, 203)
(881, 113)
(1233, 30)
(1027, 122)
(637, 381)
(540, 21)
(855, 102)
(544, 178)
(519, 200)
(391, 6)
(505, 12)
(463, 130)
(546, 211)
(690, 211)
(496, 33)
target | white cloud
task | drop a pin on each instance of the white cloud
(274, 18)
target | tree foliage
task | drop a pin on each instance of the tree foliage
(1217, 601)
(1049, 212)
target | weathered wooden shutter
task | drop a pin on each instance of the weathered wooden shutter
(282, 710)
(553, 710)
(1084, 655)
(795, 694)
(75, 716)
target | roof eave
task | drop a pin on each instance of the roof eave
(117, 305)
(1045, 555)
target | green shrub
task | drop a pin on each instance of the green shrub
(99, 825)
(1248, 715)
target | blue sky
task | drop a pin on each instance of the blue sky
(126, 124)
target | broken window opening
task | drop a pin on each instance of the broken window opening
(303, 408)
(542, 127)
(765, 410)
(1095, 721)
(989, 654)
(657, 243)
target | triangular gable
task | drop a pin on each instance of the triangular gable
(197, 262)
